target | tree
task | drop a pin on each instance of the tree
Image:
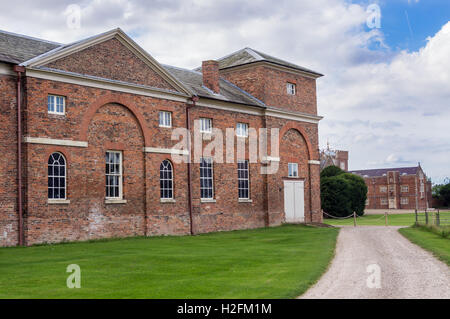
(342, 193)
(358, 193)
(441, 192)
(335, 194)
(444, 195)
(330, 171)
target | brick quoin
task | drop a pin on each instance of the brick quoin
(123, 116)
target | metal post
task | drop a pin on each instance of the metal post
(426, 217)
(354, 219)
(417, 219)
(385, 218)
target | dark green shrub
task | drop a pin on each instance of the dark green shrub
(335, 194)
(358, 193)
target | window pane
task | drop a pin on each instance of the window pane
(56, 177)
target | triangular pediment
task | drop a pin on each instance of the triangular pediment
(111, 55)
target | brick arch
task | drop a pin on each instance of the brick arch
(301, 130)
(113, 99)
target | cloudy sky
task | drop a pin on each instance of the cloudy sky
(385, 96)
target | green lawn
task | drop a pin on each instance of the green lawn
(278, 262)
(378, 220)
(430, 241)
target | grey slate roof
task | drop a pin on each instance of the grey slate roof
(248, 55)
(228, 91)
(16, 48)
(380, 171)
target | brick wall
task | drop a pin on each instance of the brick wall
(393, 183)
(111, 60)
(269, 85)
(109, 120)
(8, 162)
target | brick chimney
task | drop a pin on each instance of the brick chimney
(210, 70)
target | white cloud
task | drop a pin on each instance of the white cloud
(376, 102)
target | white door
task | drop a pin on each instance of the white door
(294, 201)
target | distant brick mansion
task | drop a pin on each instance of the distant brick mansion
(397, 188)
(87, 150)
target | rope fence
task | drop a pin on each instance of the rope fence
(425, 217)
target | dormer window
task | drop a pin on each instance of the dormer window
(290, 88)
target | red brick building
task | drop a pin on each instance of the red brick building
(329, 157)
(86, 137)
(397, 188)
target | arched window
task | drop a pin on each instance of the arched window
(56, 176)
(166, 179)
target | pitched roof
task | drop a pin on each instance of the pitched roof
(380, 171)
(248, 55)
(228, 91)
(27, 51)
(16, 48)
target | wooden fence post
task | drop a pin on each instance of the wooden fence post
(438, 220)
(354, 219)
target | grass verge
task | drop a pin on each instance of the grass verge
(430, 240)
(277, 262)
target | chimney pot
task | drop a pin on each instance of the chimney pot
(210, 71)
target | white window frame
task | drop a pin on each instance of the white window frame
(291, 88)
(203, 127)
(120, 175)
(383, 189)
(291, 165)
(57, 176)
(242, 129)
(162, 179)
(405, 189)
(207, 159)
(55, 105)
(383, 201)
(247, 179)
(404, 200)
(165, 119)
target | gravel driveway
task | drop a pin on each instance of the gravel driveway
(406, 270)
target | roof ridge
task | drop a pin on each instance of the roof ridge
(254, 53)
(180, 68)
(29, 37)
(376, 169)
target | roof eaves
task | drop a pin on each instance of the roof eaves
(315, 74)
(93, 77)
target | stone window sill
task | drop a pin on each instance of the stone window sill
(115, 201)
(167, 200)
(206, 200)
(245, 200)
(58, 201)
